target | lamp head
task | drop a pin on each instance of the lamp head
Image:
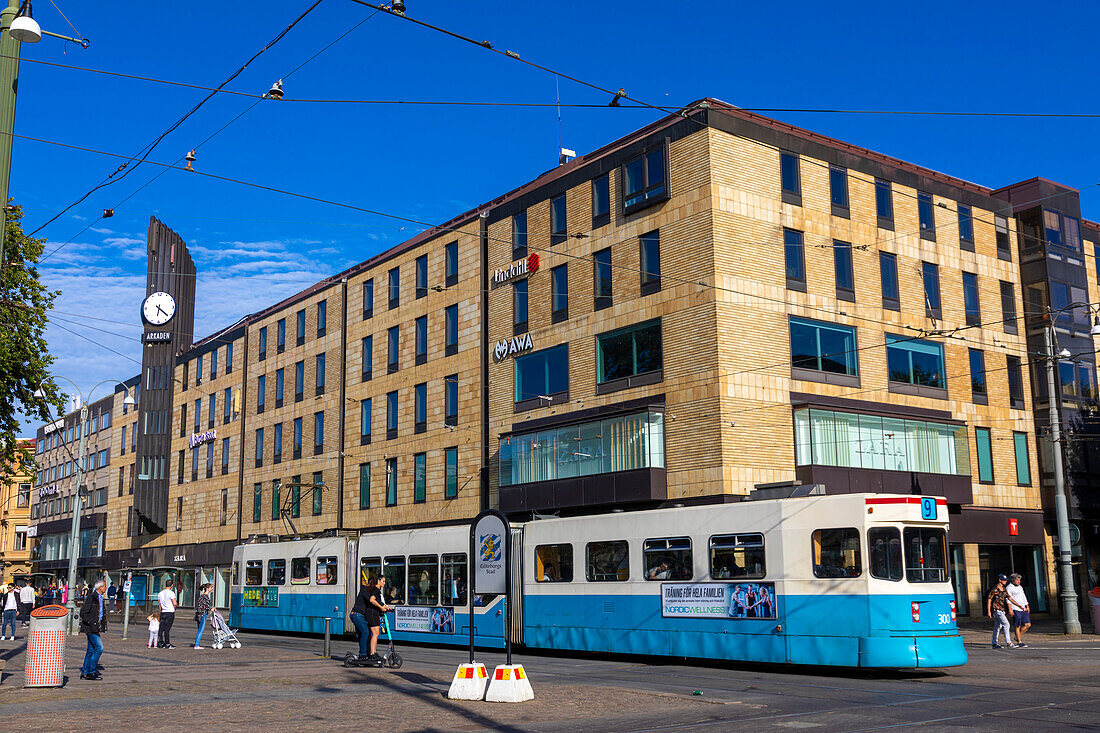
(40, 394)
(1065, 354)
(129, 400)
(276, 90)
(25, 28)
(1095, 330)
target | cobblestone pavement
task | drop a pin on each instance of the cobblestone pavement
(280, 683)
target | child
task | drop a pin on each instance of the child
(154, 627)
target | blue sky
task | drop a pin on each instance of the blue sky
(432, 162)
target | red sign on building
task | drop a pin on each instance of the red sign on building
(1013, 526)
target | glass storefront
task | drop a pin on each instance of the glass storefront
(1027, 560)
(616, 444)
(851, 440)
(958, 580)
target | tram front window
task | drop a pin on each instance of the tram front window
(394, 570)
(254, 572)
(925, 555)
(369, 568)
(836, 553)
(884, 545)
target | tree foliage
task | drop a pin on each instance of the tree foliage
(24, 354)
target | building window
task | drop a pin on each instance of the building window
(823, 347)
(280, 341)
(300, 328)
(277, 440)
(558, 233)
(393, 348)
(318, 433)
(644, 181)
(915, 362)
(884, 204)
(845, 440)
(225, 456)
(519, 307)
(601, 269)
(450, 328)
(559, 293)
(1008, 306)
(795, 259)
(276, 502)
(318, 493)
(842, 266)
(624, 443)
(629, 352)
(649, 255)
(391, 482)
(279, 380)
(391, 415)
(971, 301)
(978, 386)
(179, 513)
(421, 272)
(790, 178)
(420, 407)
(838, 191)
(601, 200)
(931, 276)
(299, 380)
(1015, 382)
(263, 343)
(198, 373)
(984, 445)
(966, 228)
(214, 364)
(1023, 459)
(211, 411)
(322, 317)
(367, 346)
(450, 483)
(320, 389)
(364, 486)
(259, 448)
(123, 443)
(227, 405)
(394, 288)
(420, 339)
(364, 421)
(257, 502)
(542, 375)
(450, 400)
(519, 234)
(229, 358)
(296, 497)
(224, 514)
(368, 299)
(888, 276)
(926, 215)
(420, 477)
(297, 447)
(450, 264)
(1004, 247)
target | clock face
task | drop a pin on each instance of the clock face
(158, 308)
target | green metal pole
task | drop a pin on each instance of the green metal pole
(9, 81)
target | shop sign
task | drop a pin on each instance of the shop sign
(510, 347)
(154, 336)
(517, 270)
(198, 439)
(437, 620)
(1013, 526)
(48, 490)
(179, 558)
(718, 600)
(265, 597)
(32, 531)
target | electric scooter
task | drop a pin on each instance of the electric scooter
(389, 658)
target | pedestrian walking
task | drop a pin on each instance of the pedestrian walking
(203, 604)
(9, 601)
(26, 596)
(154, 627)
(1021, 609)
(93, 622)
(996, 607)
(167, 600)
(112, 597)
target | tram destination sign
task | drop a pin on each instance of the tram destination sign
(718, 600)
(264, 597)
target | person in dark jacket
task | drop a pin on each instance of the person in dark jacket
(93, 622)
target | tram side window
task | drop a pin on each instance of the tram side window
(836, 553)
(925, 555)
(254, 572)
(454, 586)
(554, 563)
(424, 580)
(884, 546)
(236, 573)
(737, 556)
(327, 573)
(607, 561)
(299, 571)
(668, 559)
(394, 570)
(369, 567)
(276, 572)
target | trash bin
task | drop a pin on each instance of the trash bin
(1094, 602)
(46, 647)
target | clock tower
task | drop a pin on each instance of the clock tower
(168, 314)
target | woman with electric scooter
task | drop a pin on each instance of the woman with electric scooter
(366, 614)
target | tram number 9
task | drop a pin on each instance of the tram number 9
(945, 618)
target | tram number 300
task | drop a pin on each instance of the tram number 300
(945, 618)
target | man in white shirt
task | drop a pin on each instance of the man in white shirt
(167, 600)
(26, 597)
(1021, 610)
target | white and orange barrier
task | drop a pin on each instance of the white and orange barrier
(469, 682)
(509, 684)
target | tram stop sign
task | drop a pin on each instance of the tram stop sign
(1074, 534)
(489, 539)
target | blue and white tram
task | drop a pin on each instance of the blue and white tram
(852, 580)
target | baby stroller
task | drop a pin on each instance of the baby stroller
(223, 635)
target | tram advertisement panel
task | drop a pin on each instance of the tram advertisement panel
(718, 600)
(265, 597)
(435, 620)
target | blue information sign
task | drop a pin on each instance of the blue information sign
(927, 507)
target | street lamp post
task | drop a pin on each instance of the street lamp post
(78, 499)
(1070, 616)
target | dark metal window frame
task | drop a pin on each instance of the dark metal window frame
(560, 314)
(651, 194)
(838, 178)
(599, 302)
(560, 233)
(450, 264)
(889, 303)
(791, 195)
(649, 282)
(421, 272)
(600, 218)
